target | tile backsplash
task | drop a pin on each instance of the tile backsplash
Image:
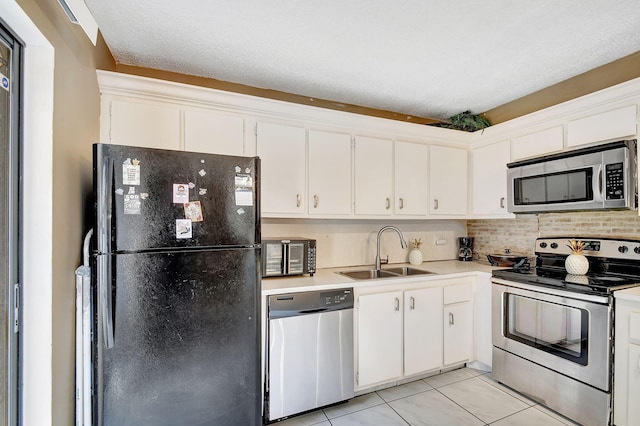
(519, 234)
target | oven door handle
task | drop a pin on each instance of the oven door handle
(598, 194)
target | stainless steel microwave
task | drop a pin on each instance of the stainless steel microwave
(594, 178)
(288, 256)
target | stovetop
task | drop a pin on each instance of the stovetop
(614, 264)
(591, 283)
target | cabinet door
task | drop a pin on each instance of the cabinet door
(618, 123)
(379, 338)
(411, 171)
(373, 176)
(457, 332)
(213, 132)
(489, 177)
(448, 181)
(422, 330)
(538, 143)
(282, 150)
(329, 173)
(633, 407)
(144, 124)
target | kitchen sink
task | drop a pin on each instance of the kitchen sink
(406, 271)
(368, 274)
(372, 274)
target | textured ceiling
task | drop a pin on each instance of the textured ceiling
(416, 57)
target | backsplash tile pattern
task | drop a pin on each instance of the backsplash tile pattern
(519, 234)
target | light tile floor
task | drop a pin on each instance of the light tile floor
(460, 397)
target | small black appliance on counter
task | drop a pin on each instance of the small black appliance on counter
(288, 256)
(465, 253)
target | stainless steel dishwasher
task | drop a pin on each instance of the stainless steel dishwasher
(310, 354)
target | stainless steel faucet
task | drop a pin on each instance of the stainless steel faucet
(403, 243)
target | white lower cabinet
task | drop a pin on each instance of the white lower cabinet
(626, 410)
(422, 330)
(400, 330)
(457, 333)
(379, 337)
(458, 323)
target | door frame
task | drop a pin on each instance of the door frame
(37, 203)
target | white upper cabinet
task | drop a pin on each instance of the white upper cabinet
(282, 150)
(538, 143)
(618, 123)
(373, 176)
(448, 181)
(411, 184)
(489, 179)
(329, 173)
(144, 124)
(214, 133)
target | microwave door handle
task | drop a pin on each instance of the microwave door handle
(598, 191)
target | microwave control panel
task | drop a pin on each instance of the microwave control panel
(614, 178)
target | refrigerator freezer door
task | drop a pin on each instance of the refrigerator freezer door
(186, 340)
(154, 199)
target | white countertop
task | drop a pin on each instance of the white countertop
(326, 279)
(632, 294)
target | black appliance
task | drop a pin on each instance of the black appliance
(176, 285)
(465, 252)
(284, 256)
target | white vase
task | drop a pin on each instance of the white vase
(415, 257)
(576, 264)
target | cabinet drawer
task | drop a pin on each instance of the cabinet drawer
(457, 293)
(634, 327)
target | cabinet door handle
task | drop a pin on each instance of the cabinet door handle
(502, 202)
(388, 203)
(435, 204)
(451, 319)
(315, 201)
(298, 200)
(401, 202)
(397, 304)
(412, 303)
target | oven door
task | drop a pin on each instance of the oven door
(567, 335)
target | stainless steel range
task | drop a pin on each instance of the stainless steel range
(552, 332)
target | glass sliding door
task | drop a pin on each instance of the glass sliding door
(10, 68)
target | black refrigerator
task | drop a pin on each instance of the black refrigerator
(176, 285)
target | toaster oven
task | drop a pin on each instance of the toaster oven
(288, 256)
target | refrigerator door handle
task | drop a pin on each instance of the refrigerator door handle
(105, 206)
(105, 305)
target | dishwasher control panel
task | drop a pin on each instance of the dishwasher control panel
(293, 304)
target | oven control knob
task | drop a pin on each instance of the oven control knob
(543, 245)
(636, 250)
(623, 249)
(554, 245)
